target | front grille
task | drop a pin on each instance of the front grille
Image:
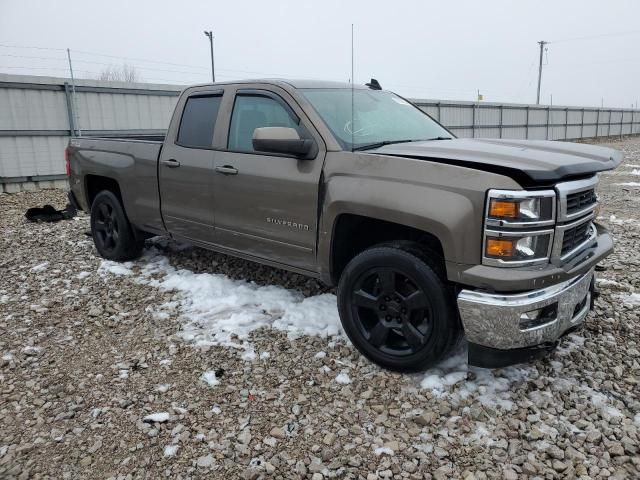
(580, 200)
(575, 236)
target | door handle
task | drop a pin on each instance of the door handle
(227, 170)
(171, 163)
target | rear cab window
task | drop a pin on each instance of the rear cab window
(198, 121)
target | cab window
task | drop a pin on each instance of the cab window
(198, 121)
(255, 111)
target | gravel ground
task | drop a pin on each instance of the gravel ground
(112, 372)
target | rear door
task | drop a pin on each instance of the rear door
(185, 169)
(266, 205)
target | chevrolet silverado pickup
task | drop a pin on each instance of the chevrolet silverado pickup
(427, 237)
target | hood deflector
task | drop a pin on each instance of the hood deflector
(530, 163)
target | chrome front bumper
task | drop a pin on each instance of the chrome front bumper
(496, 320)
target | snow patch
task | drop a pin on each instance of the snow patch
(633, 299)
(160, 417)
(82, 275)
(343, 378)
(216, 310)
(115, 268)
(209, 378)
(628, 184)
(383, 451)
(454, 378)
(163, 388)
(601, 401)
(170, 450)
(40, 268)
(248, 355)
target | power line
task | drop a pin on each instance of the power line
(143, 67)
(94, 73)
(589, 37)
(598, 62)
(30, 47)
(85, 52)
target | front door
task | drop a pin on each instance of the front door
(266, 205)
(185, 171)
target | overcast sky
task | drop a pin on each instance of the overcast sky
(422, 49)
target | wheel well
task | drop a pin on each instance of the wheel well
(95, 184)
(354, 234)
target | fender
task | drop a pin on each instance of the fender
(446, 201)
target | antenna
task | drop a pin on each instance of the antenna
(352, 102)
(74, 106)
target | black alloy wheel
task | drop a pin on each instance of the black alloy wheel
(113, 235)
(396, 308)
(392, 312)
(106, 227)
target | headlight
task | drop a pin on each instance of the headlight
(517, 227)
(508, 207)
(517, 247)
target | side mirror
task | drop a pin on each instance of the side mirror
(281, 140)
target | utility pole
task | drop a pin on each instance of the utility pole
(542, 43)
(74, 110)
(213, 71)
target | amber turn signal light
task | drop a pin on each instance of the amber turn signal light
(503, 209)
(498, 247)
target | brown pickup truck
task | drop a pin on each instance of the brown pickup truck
(427, 236)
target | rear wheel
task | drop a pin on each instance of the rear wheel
(113, 235)
(396, 309)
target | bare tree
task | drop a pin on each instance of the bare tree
(124, 73)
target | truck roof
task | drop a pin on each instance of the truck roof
(291, 83)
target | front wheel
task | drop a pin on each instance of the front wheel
(396, 309)
(112, 233)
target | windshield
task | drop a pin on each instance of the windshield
(379, 117)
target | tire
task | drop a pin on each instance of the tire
(113, 235)
(396, 309)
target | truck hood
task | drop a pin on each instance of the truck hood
(529, 162)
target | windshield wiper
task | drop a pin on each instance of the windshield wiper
(369, 146)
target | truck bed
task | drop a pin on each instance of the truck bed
(132, 161)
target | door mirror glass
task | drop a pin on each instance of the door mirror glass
(284, 140)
